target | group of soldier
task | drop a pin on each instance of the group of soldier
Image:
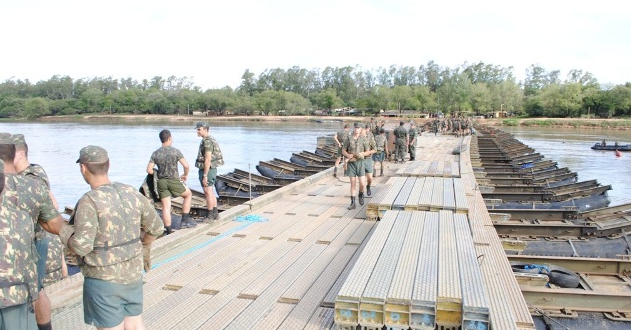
(110, 230)
(459, 126)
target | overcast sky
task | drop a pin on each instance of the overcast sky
(214, 42)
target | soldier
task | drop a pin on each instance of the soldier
(354, 149)
(401, 142)
(412, 133)
(56, 267)
(32, 195)
(209, 158)
(381, 144)
(368, 164)
(170, 183)
(111, 229)
(18, 279)
(339, 137)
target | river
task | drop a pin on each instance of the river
(56, 147)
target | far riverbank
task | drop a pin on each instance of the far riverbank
(622, 124)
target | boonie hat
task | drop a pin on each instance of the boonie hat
(18, 139)
(202, 124)
(92, 154)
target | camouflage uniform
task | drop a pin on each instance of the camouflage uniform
(380, 145)
(107, 224)
(169, 184)
(412, 133)
(18, 270)
(372, 145)
(342, 136)
(209, 144)
(354, 147)
(400, 134)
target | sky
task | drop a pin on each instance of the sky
(214, 42)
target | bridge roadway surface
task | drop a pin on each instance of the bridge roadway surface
(283, 267)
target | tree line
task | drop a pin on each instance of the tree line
(476, 88)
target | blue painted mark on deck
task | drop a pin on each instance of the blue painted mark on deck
(247, 221)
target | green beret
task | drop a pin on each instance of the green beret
(92, 154)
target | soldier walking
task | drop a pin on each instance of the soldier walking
(339, 137)
(401, 142)
(381, 144)
(209, 158)
(170, 183)
(412, 133)
(111, 230)
(354, 150)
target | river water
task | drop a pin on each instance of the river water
(56, 147)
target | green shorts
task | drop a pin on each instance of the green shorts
(356, 169)
(211, 179)
(17, 317)
(380, 156)
(339, 152)
(368, 165)
(106, 304)
(170, 187)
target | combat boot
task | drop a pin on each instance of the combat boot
(352, 206)
(381, 172)
(361, 198)
(368, 192)
(186, 221)
(167, 230)
(215, 214)
(335, 172)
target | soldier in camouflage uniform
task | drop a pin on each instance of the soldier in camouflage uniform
(368, 163)
(170, 183)
(18, 269)
(381, 144)
(401, 142)
(29, 193)
(412, 134)
(209, 158)
(111, 230)
(354, 150)
(339, 137)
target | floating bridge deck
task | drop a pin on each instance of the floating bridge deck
(298, 259)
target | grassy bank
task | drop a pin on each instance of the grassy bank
(623, 124)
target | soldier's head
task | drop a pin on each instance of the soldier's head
(202, 128)
(165, 134)
(357, 128)
(345, 126)
(401, 123)
(382, 131)
(93, 159)
(7, 148)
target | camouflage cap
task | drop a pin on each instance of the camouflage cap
(18, 139)
(356, 125)
(1, 166)
(202, 124)
(5, 138)
(92, 154)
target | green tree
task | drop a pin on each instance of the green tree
(35, 108)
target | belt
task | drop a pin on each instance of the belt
(107, 246)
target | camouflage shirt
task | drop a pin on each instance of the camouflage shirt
(166, 158)
(36, 172)
(18, 273)
(30, 195)
(412, 133)
(342, 135)
(400, 133)
(108, 221)
(356, 145)
(209, 144)
(54, 260)
(372, 144)
(380, 142)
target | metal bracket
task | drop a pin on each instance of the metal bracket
(618, 316)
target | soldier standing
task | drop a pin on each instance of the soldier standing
(368, 163)
(401, 142)
(339, 137)
(31, 194)
(111, 229)
(19, 278)
(412, 133)
(354, 149)
(170, 183)
(209, 158)
(381, 144)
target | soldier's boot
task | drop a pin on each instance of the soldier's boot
(215, 214)
(361, 198)
(352, 206)
(167, 230)
(368, 192)
(381, 172)
(335, 172)
(186, 221)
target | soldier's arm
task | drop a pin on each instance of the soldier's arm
(150, 167)
(185, 167)
(150, 222)
(53, 225)
(80, 237)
